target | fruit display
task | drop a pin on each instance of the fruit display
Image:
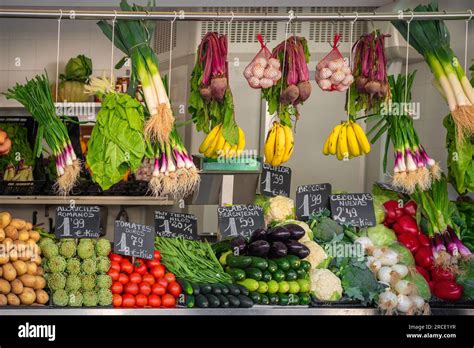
(76, 271)
(215, 146)
(279, 144)
(22, 279)
(347, 140)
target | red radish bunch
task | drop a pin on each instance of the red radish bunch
(143, 283)
(402, 220)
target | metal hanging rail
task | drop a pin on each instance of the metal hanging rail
(227, 16)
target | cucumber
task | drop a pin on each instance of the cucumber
(205, 288)
(305, 265)
(189, 301)
(196, 289)
(266, 276)
(222, 246)
(259, 262)
(223, 301)
(233, 301)
(255, 296)
(253, 273)
(234, 289)
(272, 266)
(237, 274)
(279, 275)
(213, 301)
(186, 286)
(216, 289)
(245, 301)
(264, 299)
(237, 261)
(283, 299)
(244, 290)
(283, 263)
(301, 273)
(202, 301)
(273, 298)
(291, 275)
(295, 261)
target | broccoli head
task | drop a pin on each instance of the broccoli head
(85, 249)
(105, 297)
(67, 248)
(88, 281)
(89, 266)
(103, 264)
(73, 282)
(60, 298)
(73, 266)
(104, 281)
(75, 299)
(103, 248)
(57, 264)
(56, 281)
(89, 298)
(50, 250)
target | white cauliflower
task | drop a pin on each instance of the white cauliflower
(325, 285)
(316, 253)
(279, 208)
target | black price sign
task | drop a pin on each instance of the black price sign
(134, 239)
(77, 221)
(356, 209)
(311, 199)
(171, 225)
(275, 181)
(239, 220)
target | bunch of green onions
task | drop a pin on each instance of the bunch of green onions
(431, 39)
(35, 96)
(133, 38)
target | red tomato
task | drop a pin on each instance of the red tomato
(115, 265)
(158, 289)
(163, 282)
(145, 288)
(140, 267)
(154, 301)
(170, 277)
(115, 257)
(126, 266)
(114, 274)
(141, 300)
(158, 271)
(117, 300)
(123, 278)
(168, 301)
(148, 278)
(174, 289)
(117, 288)
(152, 263)
(135, 278)
(131, 288)
(157, 255)
(128, 301)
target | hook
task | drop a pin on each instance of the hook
(291, 15)
(115, 17)
(470, 16)
(175, 17)
(181, 14)
(61, 15)
(411, 18)
(356, 18)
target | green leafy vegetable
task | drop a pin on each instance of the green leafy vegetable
(20, 146)
(78, 69)
(466, 279)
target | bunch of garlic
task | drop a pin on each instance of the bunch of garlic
(262, 72)
(334, 75)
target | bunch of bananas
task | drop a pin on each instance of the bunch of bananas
(279, 144)
(347, 140)
(214, 145)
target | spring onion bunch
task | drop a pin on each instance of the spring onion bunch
(413, 168)
(432, 40)
(35, 96)
(133, 38)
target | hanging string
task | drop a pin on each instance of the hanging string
(112, 53)
(351, 33)
(171, 54)
(228, 30)
(57, 55)
(466, 38)
(287, 32)
(406, 63)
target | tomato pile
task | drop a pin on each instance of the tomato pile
(143, 283)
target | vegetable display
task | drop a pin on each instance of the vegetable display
(22, 280)
(277, 209)
(73, 81)
(14, 168)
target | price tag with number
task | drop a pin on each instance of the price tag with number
(168, 224)
(356, 209)
(239, 220)
(77, 221)
(311, 199)
(275, 181)
(134, 240)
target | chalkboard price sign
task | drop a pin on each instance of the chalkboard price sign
(311, 199)
(239, 220)
(133, 239)
(77, 221)
(275, 181)
(168, 224)
(356, 209)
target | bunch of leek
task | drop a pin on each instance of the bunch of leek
(431, 39)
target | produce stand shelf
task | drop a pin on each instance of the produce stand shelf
(104, 200)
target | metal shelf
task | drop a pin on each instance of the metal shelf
(96, 200)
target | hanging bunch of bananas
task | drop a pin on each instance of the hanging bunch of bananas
(347, 140)
(279, 144)
(215, 145)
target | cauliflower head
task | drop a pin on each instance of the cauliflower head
(325, 285)
(316, 253)
(278, 209)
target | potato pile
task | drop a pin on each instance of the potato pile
(21, 275)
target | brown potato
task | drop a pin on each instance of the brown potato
(40, 271)
(42, 296)
(20, 267)
(13, 254)
(28, 296)
(5, 219)
(28, 226)
(23, 235)
(2, 234)
(34, 235)
(13, 299)
(1, 272)
(3, 300)
(40, 283)
(31, 268)
(5, 287)
(17, 286)
(28, 280)
(11, 232)
(36, 259)
(9, 272)
(19, 224)
(4, 258)
(7, 244)
(20, 245)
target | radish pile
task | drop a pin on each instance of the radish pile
(334, 75)
(263, 72)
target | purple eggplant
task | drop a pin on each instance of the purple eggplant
(278, 234)
(239, 243)
(258, 234)
(278, 249)
(258, 248)
(297, 249)
(297, 232)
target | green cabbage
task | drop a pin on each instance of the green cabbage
(381, 235)
(78, 69)
(405, 254)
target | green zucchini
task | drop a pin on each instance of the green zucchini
(213, 301)
(202, 301)
(189, 301)
(259, 262)
(253, 273)
(237, 274)
(233, 301)
(205, 288)
(186, 286)
(237, 261)
(272, 266)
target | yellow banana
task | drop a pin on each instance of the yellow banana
(211, 149)
(270, 145)
(209, 138)
(364, 144)
(232, 151)
(342, 142)
(326, 146)
(220, 144)
(241, 143)
(338, 152)
(289, 144)
(279, 146)
(352, 143)
(226, 150)
(333, 139)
